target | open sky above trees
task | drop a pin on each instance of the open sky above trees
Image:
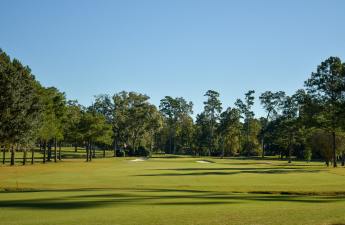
(173, 48)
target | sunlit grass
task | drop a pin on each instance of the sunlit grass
(169, 189)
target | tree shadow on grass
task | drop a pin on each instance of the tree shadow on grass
(256, 160)
(241, 168)
(118, 198)
(231, 171)
(169, 157)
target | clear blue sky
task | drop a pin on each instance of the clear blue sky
(177, 48)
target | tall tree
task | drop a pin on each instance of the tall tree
(181, 109)
(119, 117)
(244, 108)
(20, 103)
(292, 127)
(270, 102)
(201, 133)
(138, 114)
(289, 126)
(154, 123)
(213, 108)
(54, 117)
(188, 126)
(167, 107)
(110, 110)
(93, 127)
(326, 88)
(74, 113)
(61, 120)
(229, 124)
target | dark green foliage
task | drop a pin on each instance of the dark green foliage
(270, 102)
(176, 112)
(201, 133)
(93, 127)
(229, 125)
(307, 154)
(29, 111)
(120, 152)
(244, 109)
(21, 111)
(326, 88)
(142, 152)
(212, 108)
(168, 106)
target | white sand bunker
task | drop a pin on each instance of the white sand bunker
(267, 162)
(138, 160)
(203, 161)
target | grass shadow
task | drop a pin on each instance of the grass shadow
(155, 197)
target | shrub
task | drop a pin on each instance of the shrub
(142, 152)
(307, 154)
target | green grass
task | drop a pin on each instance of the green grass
(170, 190)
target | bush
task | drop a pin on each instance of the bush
(128, 151)
(307, 154)
(120, 152)
(142, 152)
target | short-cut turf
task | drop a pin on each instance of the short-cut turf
(171, 190)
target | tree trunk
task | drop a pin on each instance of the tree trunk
(49, 150)
(174, 140)
(24, 156)
(263, 149)
(135, 139)
(76, 147)
(45, 151)
(151, 144)
(115, 147)
(239, 146)
(87, 151)
(209, 153)
(94, 150)
(191, 150)
(334, 150)
(290, 149)
(13, 155)
(60, 150)
(90, 149)
(170, 138)
(190, 144)
(55, 156)
(33, 156)
(3, 155)
(223, 147)
(342, 159)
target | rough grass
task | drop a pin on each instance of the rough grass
(170, 190)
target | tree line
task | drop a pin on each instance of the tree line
(307, 124)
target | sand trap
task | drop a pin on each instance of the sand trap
(268, 162)
(138, 160)
(203, 161)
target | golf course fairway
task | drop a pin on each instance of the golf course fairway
(171, 190)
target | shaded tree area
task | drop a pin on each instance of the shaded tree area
(21, 107)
